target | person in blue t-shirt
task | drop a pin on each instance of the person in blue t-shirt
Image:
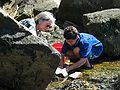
(81, 47)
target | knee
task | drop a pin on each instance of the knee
(69, 53)
(76, 51)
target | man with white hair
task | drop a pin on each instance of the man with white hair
(44, 21)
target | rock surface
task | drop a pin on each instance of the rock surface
(105, 25)
(72, 10)
(26, 62)
(26, 73)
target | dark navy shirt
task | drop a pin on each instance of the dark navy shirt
(86, 42)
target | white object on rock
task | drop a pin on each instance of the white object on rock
(58, 71)
(64, 72)
(61, 71)
(75, 74)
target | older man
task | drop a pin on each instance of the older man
(42, 22)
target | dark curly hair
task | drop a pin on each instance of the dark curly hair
(70, 32)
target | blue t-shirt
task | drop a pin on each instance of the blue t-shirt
(86, 42)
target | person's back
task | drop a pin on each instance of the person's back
(89, 38)
(88, 43)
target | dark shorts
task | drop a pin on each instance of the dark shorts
(95, 53)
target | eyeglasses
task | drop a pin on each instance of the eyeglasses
(48, 26)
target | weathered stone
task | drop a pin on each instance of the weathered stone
(26, 62)
(105, 25)
(30, 8)
(20, 9)
(2, 2)
(72, 10)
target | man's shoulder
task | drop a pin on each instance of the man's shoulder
(85, 35)
(27, 20)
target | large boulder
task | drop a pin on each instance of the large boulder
(20, 9)
(26, 62)
(105, 25)
(72, 10)
(30, 8)
(2, 2)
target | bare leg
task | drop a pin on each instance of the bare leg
(87, 63)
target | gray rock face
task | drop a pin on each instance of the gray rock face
(26, 62)
(72, 10)
(106, 26)
(21, 9)
(30, 8)
(2, 2)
